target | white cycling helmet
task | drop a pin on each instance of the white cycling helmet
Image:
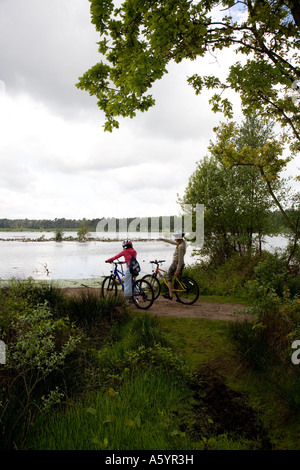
(179, 235)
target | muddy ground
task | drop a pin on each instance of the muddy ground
(171, 308)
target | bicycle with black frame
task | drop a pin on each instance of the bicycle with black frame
(142, 292)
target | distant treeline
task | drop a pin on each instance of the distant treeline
(89, 224)
(45, 224)
(276, 223)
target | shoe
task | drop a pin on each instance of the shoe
(166, 296)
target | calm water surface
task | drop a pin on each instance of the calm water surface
(79, 260)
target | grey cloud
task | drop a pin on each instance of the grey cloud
(45, 47)
(15, 175)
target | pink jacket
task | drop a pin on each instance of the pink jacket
(127, 255)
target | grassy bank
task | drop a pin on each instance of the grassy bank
(150, 397)
(89, 373)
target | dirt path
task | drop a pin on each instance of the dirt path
(171, 308)
(210, 310)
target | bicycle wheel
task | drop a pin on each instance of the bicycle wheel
(143, 295)
(109, 287)
(154, 283)
(186, 290)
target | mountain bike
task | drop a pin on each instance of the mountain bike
(142, 292)
(185, 288)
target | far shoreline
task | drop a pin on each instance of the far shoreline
(71, 239)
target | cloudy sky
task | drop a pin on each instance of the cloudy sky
(56, 160)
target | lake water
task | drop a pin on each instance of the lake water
(50, 260)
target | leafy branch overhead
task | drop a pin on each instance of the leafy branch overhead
(141, 37)
(253, 145)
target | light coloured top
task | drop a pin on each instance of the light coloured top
(178, 256)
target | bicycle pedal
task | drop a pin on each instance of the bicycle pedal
(166, 296)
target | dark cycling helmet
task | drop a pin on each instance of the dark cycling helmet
(127, 244)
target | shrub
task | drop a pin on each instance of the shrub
(227, 279)
(271, 271)
(231, 277)
(49, 353)
(36, 351)
(266, 340)
(59, 235)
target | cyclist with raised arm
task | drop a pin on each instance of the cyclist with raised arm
(127, 252)
(177, 264)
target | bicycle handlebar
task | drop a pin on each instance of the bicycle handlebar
(158, 262)
(115, 262)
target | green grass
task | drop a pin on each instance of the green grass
(145, 400)
(201, 341)
(159, 383)
(272, 393)
(138, 415)
(224, 299)
(146, 393)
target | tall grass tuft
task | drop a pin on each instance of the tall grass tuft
(35, 293)
(139, 415)
(145, 330)
(96, 315)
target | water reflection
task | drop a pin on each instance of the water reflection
(72, 260)
(76, 260)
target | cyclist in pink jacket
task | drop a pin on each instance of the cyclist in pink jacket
(127, 252)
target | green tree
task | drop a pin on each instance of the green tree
(140, 38)
(254, 145)
(236, 207)
(237, 199)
